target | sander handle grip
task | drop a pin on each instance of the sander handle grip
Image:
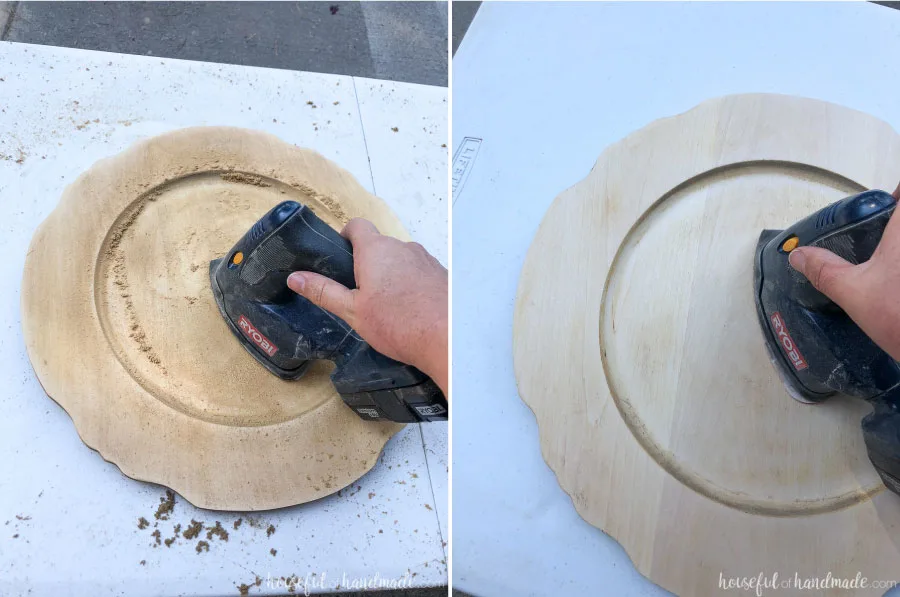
(850, 228)
(316, 247)
(292, 238)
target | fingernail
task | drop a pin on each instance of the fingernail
(296, 282)
(797, 259)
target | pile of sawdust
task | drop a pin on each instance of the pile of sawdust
(193, 531)
(166, 506)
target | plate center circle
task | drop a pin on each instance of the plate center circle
(686, 361)
(157, 309)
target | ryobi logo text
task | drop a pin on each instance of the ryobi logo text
(251, 332)
(787, 343)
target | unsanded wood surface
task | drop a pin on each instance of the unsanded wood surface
(137, 352)
(637, 346)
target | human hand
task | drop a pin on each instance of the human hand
(866, 292)
(399, 305)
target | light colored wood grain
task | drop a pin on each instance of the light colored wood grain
(123, 331)
(637, 346)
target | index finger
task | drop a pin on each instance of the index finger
(358, 230)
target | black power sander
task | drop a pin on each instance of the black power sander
(285, 332)
(815, 346)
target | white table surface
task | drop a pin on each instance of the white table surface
(547, 87)
(68, 520)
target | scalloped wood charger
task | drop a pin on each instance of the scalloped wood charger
(123, 331)
(638, 348)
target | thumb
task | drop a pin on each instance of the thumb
(827, 272)
(324, 292)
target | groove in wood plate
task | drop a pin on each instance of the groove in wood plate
(637, 345)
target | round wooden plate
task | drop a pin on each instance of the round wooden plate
(638, 348)
(123, 331)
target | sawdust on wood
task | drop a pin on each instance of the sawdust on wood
(143, 523)
(120, 278)
(202, 546)
(332, 204)
(237, 523)
(241, 177)
(270, 530)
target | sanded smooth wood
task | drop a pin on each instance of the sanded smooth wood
(123, 331)
(638, 348)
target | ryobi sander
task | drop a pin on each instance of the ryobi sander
(285, 332)
(815, 346)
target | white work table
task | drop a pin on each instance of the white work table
(546, 87)
(69, 520)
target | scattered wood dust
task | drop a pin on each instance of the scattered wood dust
(172, 539)
(244, 588)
